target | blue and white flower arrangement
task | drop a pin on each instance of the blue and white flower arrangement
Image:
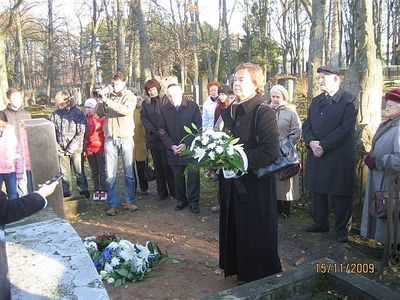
(119, 261)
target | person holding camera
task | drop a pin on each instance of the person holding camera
(118, 106)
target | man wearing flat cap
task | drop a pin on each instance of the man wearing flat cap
(329, 133)
(383, 157)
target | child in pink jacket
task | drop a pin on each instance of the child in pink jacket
(11, 161)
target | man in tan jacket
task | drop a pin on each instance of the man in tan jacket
(118, 106)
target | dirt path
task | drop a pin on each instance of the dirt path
(194, 240)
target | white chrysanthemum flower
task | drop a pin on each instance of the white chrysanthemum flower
(211, 155)
(103, 274)
(211, 146)
(114, 261)
(108, 267)
(205, 140)
(199, 154)
(220, 134)
(128, 250)
(219, 149)
(110, 280)
(113, 245)
(92, 246)
(89, 238)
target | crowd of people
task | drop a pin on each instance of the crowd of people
(117, 123)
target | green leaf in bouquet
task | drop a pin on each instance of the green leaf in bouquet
(234, 141)
(188, 130)
(118, 282)
(150, 247)
(194, 126)
(221, 126)
(122, 271)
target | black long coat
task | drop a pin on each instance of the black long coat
(172, 130)
(150, 117)
(19, 208)
(332, 122)
(248, 233)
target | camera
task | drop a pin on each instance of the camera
(103, 90)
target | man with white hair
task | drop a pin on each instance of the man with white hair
(176, 114)
(329, 133)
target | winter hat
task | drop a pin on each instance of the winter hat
(328, 69)
(150, 84)
(91, 103)
(282, 90)
(225, 89)
(393, 95)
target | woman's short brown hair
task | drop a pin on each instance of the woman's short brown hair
(118, 76)
(256, 75)
(13, 90)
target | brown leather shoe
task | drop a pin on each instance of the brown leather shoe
(112, 211)
(131, 207)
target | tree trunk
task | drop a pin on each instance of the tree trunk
(120, 36)
(3, 72)
(219, 43)
(50, 53)
(93, 41)
(364, 76)
(228, 50)
(146, 71)
(335, 45)
(315, 56)
(194, 16)
(20, 45)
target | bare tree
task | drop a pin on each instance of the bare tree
(120, 36)
(50, 51)
(3, 62)
(364, 76)
(335, 33)
(20, 47)
(316, 12)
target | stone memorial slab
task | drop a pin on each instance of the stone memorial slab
(44, 159)
(47, 260)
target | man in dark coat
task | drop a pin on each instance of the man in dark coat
(176, 114)
(329, 133)
(150, 117)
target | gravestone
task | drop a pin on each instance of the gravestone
(44, 159)
(4, 278)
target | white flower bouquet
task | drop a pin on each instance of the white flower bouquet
(118, 261)
(215, 150)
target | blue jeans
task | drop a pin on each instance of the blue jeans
(11, 184)
(120, 147)
(77, 164)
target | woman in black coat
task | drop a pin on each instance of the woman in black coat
(249, 215)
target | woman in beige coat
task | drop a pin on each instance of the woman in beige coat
(140, 149)
(289, 126)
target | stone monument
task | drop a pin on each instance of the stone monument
(44, 159)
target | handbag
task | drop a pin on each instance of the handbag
(379, 206)
(287, 159)
(149, 171)
(289, 172)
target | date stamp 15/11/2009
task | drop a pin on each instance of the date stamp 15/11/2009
(340, 267)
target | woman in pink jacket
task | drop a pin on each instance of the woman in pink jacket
(11, 162)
